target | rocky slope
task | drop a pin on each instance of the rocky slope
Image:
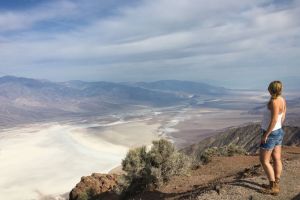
(247, 136)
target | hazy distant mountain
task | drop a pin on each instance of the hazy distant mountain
(120, 93)
(25, 99)
(187, 87)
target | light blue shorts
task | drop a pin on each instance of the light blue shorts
(275, 138)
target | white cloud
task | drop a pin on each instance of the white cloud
(155, 36)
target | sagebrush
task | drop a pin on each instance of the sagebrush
(149, 170)
(229, 150)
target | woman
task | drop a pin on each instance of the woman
(272, 135)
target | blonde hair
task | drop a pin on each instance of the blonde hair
(275, 89)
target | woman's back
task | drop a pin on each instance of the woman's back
(267, 116)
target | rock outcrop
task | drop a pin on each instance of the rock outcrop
(96, 186)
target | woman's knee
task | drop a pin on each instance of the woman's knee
(276, 157)
(265, 156)
(264, 161)
(277, 160)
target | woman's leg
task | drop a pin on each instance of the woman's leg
(265, 156)
(276, 156)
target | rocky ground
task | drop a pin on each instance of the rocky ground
(236, 177)
(249, 185)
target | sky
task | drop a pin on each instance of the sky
(232, 43)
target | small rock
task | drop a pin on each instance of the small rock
(218, 188)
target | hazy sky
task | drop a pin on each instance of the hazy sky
(234, 43)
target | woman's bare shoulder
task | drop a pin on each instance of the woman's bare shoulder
(284, 101)
(280, 103)
(276, 102)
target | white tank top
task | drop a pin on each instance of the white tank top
(267, 118)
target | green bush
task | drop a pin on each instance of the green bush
(235, 150)
(195, 162)
(149, 170)
(229, 150)
(135, 161)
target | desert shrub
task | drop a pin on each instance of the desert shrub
(206, 156)
(138, 175)
(230, 150)
(160, 150)
(235, 150)
(135, 161)
(195, 162)
(148, 170)
(166, 162)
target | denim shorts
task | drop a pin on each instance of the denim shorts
(275, 138)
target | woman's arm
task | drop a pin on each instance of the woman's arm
(274, 116)
(283, 112)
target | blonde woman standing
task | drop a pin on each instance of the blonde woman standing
(272, 135)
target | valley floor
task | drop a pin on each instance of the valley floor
(43, 160)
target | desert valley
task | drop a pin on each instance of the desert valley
(54, 133)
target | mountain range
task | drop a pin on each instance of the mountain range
(27, 100)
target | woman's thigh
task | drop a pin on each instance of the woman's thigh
(276, 153)
(265, 155)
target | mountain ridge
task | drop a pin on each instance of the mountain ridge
(246, 136)
(30, 100)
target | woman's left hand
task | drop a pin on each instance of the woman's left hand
(264, 139)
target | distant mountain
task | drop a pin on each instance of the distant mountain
(120, 93)
(187, 87)
(25, 99)
(247, 137)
